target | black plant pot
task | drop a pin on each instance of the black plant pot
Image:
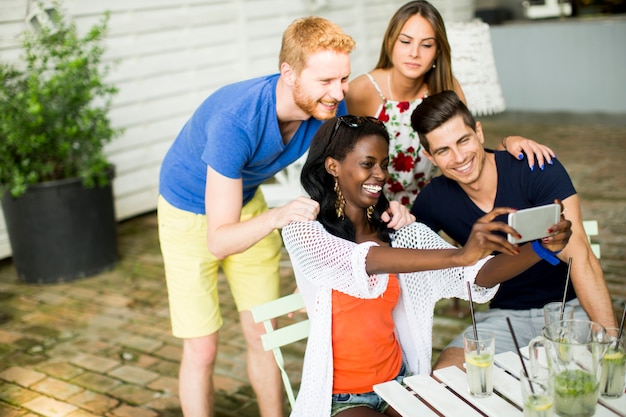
(61, 231)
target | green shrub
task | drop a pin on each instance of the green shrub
(54, 108)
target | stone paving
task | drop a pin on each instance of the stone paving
(101, 346)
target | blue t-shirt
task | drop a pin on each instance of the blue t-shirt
(443, 205)
(235, 131)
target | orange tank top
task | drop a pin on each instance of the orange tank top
(365, 349)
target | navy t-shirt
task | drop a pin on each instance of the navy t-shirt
(443, 205)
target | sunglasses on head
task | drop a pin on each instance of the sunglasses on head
(354, 122)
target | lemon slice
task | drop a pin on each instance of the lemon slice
(613, 356)
(538, 402)
(482, 361)
(543, 407)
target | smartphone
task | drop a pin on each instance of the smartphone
(533, 223)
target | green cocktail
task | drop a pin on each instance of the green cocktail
(538, 405)
(613, 373)
(575, 393)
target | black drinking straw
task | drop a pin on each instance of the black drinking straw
(471, 305)
(621, 328)
(520, 355)
(569, 268)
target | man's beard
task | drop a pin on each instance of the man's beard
(309, 105)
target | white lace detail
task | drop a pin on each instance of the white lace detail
(323, 262)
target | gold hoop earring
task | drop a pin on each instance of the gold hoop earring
(370, 212)
(340, 202)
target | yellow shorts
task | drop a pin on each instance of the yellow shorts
(191, 271)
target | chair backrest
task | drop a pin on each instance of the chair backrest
(591, 229)
(275, 338)
(285, 185)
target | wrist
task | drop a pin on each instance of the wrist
(545, 254)
(462, 259)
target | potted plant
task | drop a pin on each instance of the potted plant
(55, 179)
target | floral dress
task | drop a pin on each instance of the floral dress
(409, 169)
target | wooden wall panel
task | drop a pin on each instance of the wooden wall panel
(171, 55)
(12, 10)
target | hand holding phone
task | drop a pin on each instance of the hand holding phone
(533, 223)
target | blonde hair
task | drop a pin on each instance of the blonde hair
(439, 78)
(308, 35)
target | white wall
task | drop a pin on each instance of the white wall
(173, 53)
(571, 65)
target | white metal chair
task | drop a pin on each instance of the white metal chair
(275, 338)
(286, 185)
(591, 229)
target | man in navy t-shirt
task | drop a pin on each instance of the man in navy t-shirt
(475, 181)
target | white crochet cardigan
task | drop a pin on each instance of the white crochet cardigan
(323, 262)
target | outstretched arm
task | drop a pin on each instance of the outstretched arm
(481, 243)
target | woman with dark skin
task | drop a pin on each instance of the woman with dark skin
(369, 291)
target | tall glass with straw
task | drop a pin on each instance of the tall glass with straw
(479, 348)
(537, 386)
(613, 372)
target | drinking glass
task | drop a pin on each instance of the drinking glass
(574, 349)
(552, 312)
(613, 372)
(479, 362)
(537, 393)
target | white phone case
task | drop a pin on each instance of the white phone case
(533, 223)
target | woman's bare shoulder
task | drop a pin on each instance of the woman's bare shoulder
(362, 98)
